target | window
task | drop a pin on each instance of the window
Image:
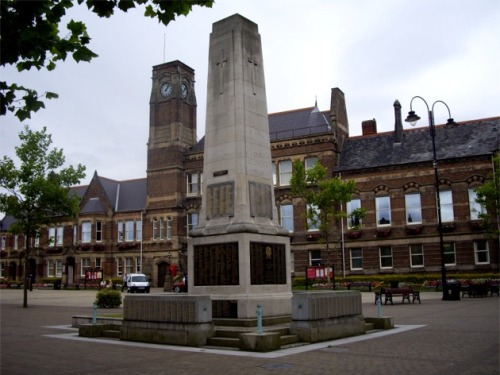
(98, 231)
(119, 266)
(138, 264)
(285, 172)
(416, 256)
(85, 266)
(86, 231)
(138, 230)
(192, 221)
(98, 263)
(383, 207)
(169, 228)
(446, 201)
(50, 268)
(356, 259)
(59, 235)
(162, 228)
(129, 265)
(4, 243)
(313, 220)
(315, 257)
(449, 254)
(16, 241)
(385, 257)
(481, 252)
(120, 231)
(476, 209)
(194, 181)
(274, 173)
(2, 269)
(75, 234)
(52, 236)
(129, 230)
(286, 216)
(155, 229)
(37, 240)
(353, 222)
(413, 208)
(310, 162)
(59, 268)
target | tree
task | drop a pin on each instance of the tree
(37, 193)
(32, 37)
(324, 198)
(488, 196)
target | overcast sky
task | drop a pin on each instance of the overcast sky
(374, 51)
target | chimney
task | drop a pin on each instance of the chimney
(398, 124)
(369, 127)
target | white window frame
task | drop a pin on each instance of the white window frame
(314, 260)
(383, 210)
(194, 183)
(121, 233)
(416, 252)
(481, 247)
(311, 226)
(129, 230)
(310, 162)
(86, 231)
(138, 264)
(129, 265)
(413, 205)
(59, 267)
(98, 263)
(169, 228)
(51, 236)
(446, 202)
(352, 205)
(138, 230)
(192, 221)
(356, 254)
(286, 217)
(50, 268)
(119, 267)
(16, 241)
(155, 229)
(84, 265)
(275, 177)
(98, 231)
(75, 234)
(285, 172)
(162, 229)
(476, 208)
(385, 256)
(59, 235)
(448, 250)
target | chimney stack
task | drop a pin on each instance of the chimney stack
(369, 127)
(398, 124)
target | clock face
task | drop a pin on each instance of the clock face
(166, 89)
(184, 91)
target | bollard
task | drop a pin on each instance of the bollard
(94, 313)
(259, 319)
(379, 307)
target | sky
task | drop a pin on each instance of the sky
(374, 51)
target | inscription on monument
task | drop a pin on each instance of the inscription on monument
(220, 200)
(260, 200)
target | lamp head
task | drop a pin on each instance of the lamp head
(450, 122)
(412, 118)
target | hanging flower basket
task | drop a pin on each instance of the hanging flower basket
(383, 233)
(313, 237)
(127, 246)
(476, 225)
(85, 247)
(98, 247)
(414, 230)
(448, 227)
(354, 234)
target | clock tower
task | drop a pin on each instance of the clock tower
(172, 130)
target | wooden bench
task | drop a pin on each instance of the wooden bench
(360, 284)
(405, 292)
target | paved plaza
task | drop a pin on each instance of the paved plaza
(435, 337)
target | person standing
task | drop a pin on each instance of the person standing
(124, 284)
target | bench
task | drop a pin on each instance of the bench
(405, 292)
(360, 284)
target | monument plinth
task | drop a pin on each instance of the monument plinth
(238, 254)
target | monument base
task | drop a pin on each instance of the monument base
(240, 271)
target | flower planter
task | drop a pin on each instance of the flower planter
(414, 230)
(354, 234)
(382, 233)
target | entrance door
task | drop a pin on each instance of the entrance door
(162, 270)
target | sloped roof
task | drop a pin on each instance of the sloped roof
(290, 124)
(466, 139)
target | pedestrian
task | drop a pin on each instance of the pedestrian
(124, 284)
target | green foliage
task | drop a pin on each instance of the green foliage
(32, 37)
(36, 193)
(108, 298)
(488, 195)
(49, 280)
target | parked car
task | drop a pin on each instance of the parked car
(137, 282)
(180, 286)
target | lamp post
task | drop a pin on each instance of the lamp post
(143, 211)
(412, 119)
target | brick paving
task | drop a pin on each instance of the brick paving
(455, 337)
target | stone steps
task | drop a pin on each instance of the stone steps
(111, 334)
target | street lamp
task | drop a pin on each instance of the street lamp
(412, 119)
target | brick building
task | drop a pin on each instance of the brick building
(142, 225)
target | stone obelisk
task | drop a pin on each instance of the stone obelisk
(238, 254)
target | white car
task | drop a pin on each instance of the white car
(137, 282)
